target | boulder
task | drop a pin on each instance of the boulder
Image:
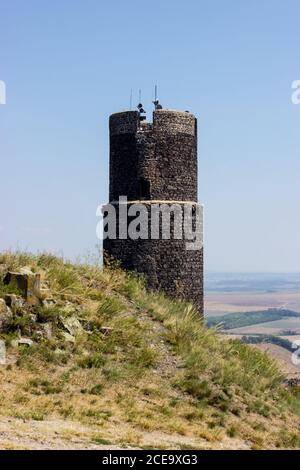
(71, 324)
(69, 338)
(47, 330)
(22, 342)
(26, 270)
(5, 314)
(13, 301)
(27, 283)
(25, 341)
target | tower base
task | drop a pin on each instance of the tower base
(166, 264)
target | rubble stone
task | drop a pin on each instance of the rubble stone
(5, 314)
(71, 324)
(27, 282)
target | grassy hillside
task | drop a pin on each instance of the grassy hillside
(238, 320)
(121, 366)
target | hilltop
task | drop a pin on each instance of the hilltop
(96, 361)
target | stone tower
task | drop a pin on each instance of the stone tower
(153, 164)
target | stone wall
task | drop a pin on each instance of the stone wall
(124, 123)
(157, 162)
(166, 264)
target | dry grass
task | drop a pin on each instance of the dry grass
(143, 365)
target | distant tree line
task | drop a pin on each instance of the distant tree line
(279, 341)
(238, 320)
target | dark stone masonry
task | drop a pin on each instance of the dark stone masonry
(156, 163)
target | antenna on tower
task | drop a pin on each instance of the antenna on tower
(156, 103)
(140, 95)
(130, 99)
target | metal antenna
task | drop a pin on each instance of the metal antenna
(140, 95)
(156, 103)
(130, 99)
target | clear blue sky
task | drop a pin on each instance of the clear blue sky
(68, 64)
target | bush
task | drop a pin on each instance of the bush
(96, 360)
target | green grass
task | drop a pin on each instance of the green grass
(120, 363)
(212, 367)
(92, 360)
(8, 290)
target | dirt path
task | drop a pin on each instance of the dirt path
(17, 434)
(48, 434)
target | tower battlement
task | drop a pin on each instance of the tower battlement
(163, 120)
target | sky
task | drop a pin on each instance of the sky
(69, 64)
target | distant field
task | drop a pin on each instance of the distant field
(220, 303)
(292, 338)
(256, 294)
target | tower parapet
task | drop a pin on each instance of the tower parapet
(126, 122)
(170, 121)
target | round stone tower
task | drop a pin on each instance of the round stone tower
(155, 164)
